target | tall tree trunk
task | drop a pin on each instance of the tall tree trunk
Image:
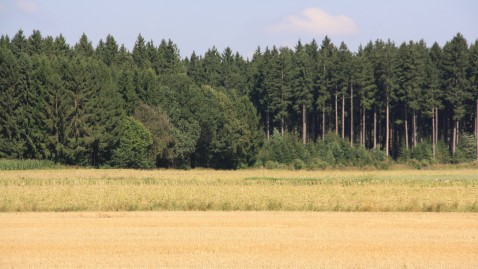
(476, 128)
(436, 125)
(457, 133)
(336, 115)
(282, 100)
(363, 127)
(343, 114)
(414, 138)
(406, 127)
(453, 138)
(304, 125)
(351, 114)
(323, 122)
(387, 124)
(374, 128)
(433, 134)
(282, 125)
(267, 126)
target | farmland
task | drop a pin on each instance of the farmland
(238, 240)
(243, 219)
(246, 190)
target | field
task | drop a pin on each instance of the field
(242, 219)
(246, 190)
(238, 240)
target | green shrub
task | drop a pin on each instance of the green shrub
(298, 164)
(442, 154)
(316, 164)
(466, 149)
(288, 150)
(271, 164)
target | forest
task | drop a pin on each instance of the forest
(312, 106)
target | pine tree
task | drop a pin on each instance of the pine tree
(366, 89)
(258, 92)
(139, 54)
(126, 88)
(327, 51)
(281, 97)
(35, 43)
(212, 67)
(84, 47)
(107, 51)
(343, 75)
(473, 77)
(61, 47)
(455, 64)
(301, 86)
(433, 93)
(272, 80)
(195, 70)
(411, 80)
(11, 144)
(385, 77)
(18, 43)
(169, 60)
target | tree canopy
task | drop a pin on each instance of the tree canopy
(106, 106)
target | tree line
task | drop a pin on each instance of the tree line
(315, 104)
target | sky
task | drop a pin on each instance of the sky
(243, 25)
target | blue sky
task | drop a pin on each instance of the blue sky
(243, 25)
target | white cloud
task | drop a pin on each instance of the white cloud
(315, 21)
(28, 6)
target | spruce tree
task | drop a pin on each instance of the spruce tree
(301, 86)
(84, 47)
(366, 90)
(473, 77)
(139, 53)
(327, 51)
(455, 64)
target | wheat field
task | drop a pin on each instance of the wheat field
(244, 190)
(82, 218)
(238, 240)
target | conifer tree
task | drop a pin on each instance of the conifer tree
(327, 51)
(301, 86)
(84, 47)
(455, 64)
(473, 77)
(139, 53)
(366, 90)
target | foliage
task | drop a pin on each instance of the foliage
(134, 145)
(332, 152)
(68, 104)
(466, 150)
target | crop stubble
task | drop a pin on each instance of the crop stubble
(239, 239)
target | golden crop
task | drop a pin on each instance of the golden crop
(153, 190)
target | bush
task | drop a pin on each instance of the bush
(316, 164)
(298, 164)
(442, 154)
(283, 149)
(288, 150)
(271, 164)
(466, 149)
(378, 155)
